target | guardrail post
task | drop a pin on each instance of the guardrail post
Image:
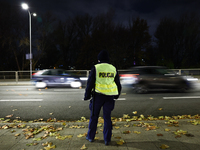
(87, 73)
(179, 72)
(16, 76)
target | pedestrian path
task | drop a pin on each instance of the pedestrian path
(182, 134)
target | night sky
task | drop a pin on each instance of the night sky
(150, 10)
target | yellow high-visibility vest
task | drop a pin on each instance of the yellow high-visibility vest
(105, 75)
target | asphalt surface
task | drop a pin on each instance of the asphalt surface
(177, 133)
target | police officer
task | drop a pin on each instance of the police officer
(104, 78)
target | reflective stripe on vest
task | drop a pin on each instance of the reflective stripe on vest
(105, 75)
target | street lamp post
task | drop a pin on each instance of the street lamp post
(25, 6)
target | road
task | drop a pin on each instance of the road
(30, 103)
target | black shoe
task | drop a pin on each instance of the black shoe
(90, 140)
(106, 143)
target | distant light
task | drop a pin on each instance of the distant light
(83, 78)
(192, 79)
(34, 14)
(24, 6)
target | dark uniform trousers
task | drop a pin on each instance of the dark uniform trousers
(108, 103)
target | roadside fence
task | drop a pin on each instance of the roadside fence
(25, 75)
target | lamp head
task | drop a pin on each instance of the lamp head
(24, 6)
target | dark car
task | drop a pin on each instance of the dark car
(57, 78)
(145, 78)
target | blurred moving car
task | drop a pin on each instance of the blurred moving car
(58, 78)
(145, 78)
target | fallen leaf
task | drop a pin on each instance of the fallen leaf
(142, 116)
(167, 129)
(136, 132)
(59, 129)
(126, 125)
(121, 142)
(50, 113)
(159, 134)
(12, 131)
(41, 119)
(117, 137)
(50, 146)
(37, 139)
(32, 144)
(178, 136)
(21, 125)
(150, 118)
(82, 135)
(160, 109)
(178, 132)
(83, 147)
(9, 116)
(83, 119)
(125, 116)
(135, 112)
(97, 138)
(5, 127)
(46, 144)
(195, 122)
(99, 125)
(126, 132)
(163, 146)
(35, 144)
(64, 137)
(120, 119)
(189, 135)
(17, 134)
(116, 127)
(150, 128)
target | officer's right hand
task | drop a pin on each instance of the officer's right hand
(116, 97)
(86, 98)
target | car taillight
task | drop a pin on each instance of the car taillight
(127, 79)
(128, 75)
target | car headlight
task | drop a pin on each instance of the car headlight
(75, 84)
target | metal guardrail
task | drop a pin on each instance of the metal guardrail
(25, 75)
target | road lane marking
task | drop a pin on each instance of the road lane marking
(20, 100)
(121, 99)
(67, 90)
(181, 97)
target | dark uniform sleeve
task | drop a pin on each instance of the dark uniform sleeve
(90, 84)
(119, 87)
